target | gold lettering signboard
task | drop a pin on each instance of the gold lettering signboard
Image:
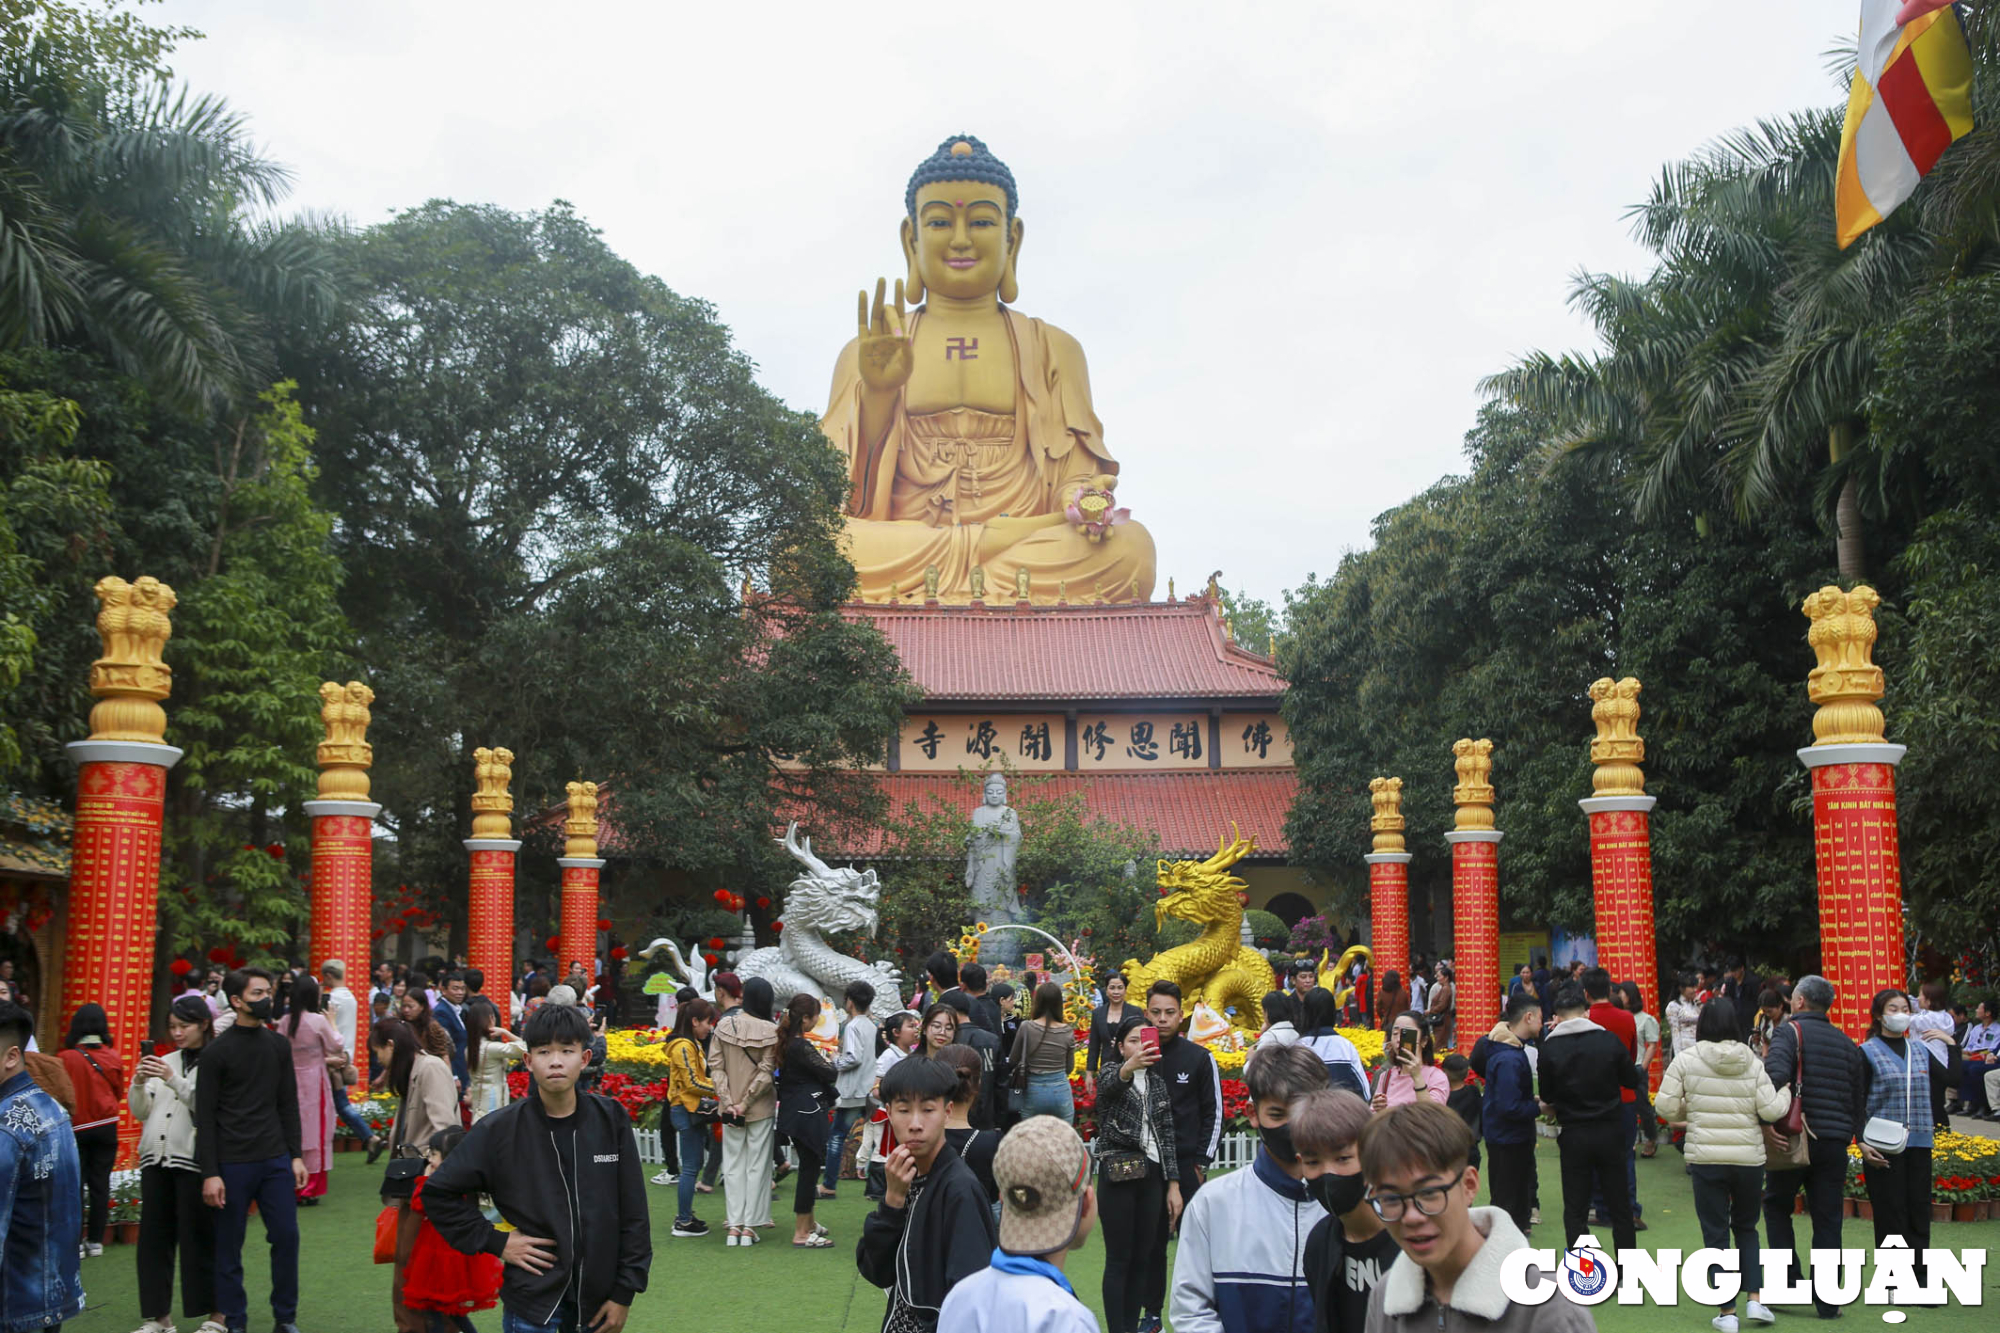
(947, 742)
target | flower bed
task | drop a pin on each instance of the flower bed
(379, 1112)
(642, 1097)
(1965, 1169)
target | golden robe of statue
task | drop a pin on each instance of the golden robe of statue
(967, 427)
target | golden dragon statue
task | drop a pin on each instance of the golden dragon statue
(1216, 968)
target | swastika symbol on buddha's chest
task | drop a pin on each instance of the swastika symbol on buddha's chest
(961, 349)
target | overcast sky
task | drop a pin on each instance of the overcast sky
(1291, 238)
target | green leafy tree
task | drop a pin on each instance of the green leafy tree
(554, 480)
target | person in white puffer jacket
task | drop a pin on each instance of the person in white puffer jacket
(1719, 1089)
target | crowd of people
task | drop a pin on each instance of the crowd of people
(956, 1115)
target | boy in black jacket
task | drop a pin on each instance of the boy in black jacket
(1347, 1252)
(934, 1225)
(562, 1168)
(1582, 1068)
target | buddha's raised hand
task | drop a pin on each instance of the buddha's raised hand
(885, 353)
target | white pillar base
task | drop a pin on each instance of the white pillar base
(492, 844)
(578, 862)
(1388, 858)
(1819, 756)
(1474, 835)
(1593, 805)
(124, 752)
(365, 809)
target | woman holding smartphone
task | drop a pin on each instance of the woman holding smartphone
(1409, 1064)
(1137, 1200)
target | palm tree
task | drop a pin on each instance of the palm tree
(124, 228)
(1738, 370)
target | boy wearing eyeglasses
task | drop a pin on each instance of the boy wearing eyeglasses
(1241, 1263)
(1414, 1159)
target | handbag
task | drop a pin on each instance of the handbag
(385, 1234)
(1017, 1077)
(1788, 1146)
(1886, 1136)
(707, 1111)
(399, 1178)
(1121, 1168)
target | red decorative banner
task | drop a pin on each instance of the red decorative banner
(1475, 910)
(490, 931)
(1389, 920)
(1860, 886)
(579, 920)
(343, 888)
(114, 907)
(1621, 876)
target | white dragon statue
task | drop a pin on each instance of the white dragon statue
(823, 901)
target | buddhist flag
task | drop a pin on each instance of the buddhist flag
(1912, 97)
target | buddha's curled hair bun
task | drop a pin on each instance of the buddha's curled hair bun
(962, 158)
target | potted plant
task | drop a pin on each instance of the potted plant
(123, 1215)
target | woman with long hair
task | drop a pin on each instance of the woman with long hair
(1441, 1009)
(1647, 1029)
(687, 1084)
(940, 1028)
(1104, 1021)
(1319, 1031)
(430, 1103)
(489, 1049)
(1409, 1065)
(318, 1055)
(1392, 997)
(805, 1113)
(173, 1221)
(742, 1054)
(415, 1011)
(1281, 1022)
(1896, 1083)
(1135, 1133)
(98, 1077)
(1719, 1088)
(1045, 1048)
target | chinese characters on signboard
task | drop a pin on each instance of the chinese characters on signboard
(1105, 742)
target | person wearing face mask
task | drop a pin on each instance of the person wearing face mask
(247, 1141)
(1349, 1250)
(1240, 1266)
(1896, 1082)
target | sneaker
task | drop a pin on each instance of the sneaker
(210, 1326)
(1760, 1313)
(284, 1328)
(693, 1226)
(667, 1177)
(1723, 1323)
(1149, 1324)
(91, 1249)
(155, 1326)
(1534, 1217)
(1639, 1224)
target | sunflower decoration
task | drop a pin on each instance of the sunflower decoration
(968, 943)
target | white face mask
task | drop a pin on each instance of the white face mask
(1895, 1024)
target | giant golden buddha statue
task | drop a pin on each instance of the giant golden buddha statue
(968, 430)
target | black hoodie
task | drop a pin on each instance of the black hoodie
(925, 1249)
(1194, 1089)
(1582, 1068)
(512, 1155)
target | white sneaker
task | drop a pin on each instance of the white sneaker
(92, 1249)
(666, 1178)
(210, 1326)
(1723, 1323)
(155, 1326)
(1760, 1313)
(1534, 1217)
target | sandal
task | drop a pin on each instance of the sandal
(1649, 1150)
(819, 1240)
(824, 1193)
(703, 1188)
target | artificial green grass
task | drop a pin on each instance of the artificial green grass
(703, 1283)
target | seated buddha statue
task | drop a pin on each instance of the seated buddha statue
(970, 438)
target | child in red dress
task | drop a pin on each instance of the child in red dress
(440, 1280)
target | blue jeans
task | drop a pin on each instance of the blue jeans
(1049, 1094)
(269, 1182)
(692, 1140)
(565, 1322)
(351, 1113)
(843, 1124)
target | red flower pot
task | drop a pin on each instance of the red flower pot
(1965, 1212)
(1940, 1212)
(1799, 1204)
(1847, 1207)
(1864, 1210)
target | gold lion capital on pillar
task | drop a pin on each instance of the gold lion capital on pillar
(491, 804)
(345, 754)
(580, 829)
(1474, 793)
(1387, 821)
(1846, 683)
(1618, 748)
(129, 680)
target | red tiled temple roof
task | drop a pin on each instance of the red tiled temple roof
(1143, 650)
(1189, 811)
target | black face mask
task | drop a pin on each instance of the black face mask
(1338, 1194)
(258, 1009)
(1278, 1142)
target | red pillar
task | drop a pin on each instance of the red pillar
(343, 890)
(1621, 876)
(1475, 929)
(1388, 885)
(1854, 808)
(490, 928)
(114, 887)
(579, 912)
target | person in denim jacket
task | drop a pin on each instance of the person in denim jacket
(41, 1194)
